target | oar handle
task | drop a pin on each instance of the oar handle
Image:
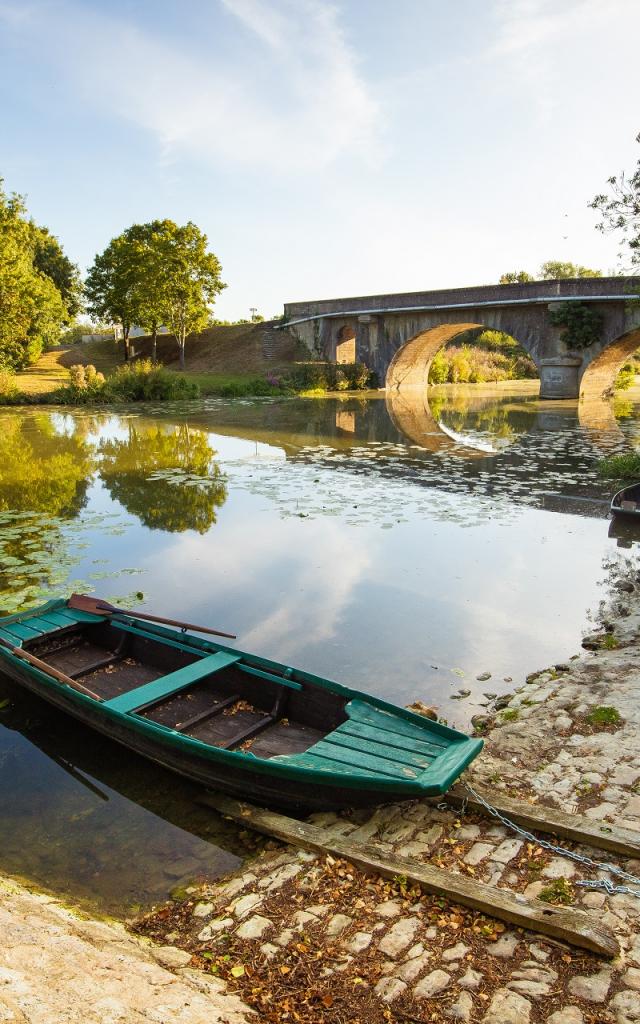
(169, 622)
(49, 669)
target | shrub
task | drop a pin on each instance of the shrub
(491, 356)
(140, 380)
(133, 382)
(324, 376)
(626, 377)
(8, 390)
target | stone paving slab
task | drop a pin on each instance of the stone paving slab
(60, 968)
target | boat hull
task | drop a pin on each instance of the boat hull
(249, 785)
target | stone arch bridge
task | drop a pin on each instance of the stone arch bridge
(398, 335)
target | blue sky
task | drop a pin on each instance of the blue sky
(342, 148)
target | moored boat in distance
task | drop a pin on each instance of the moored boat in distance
(627, 502)
(228, 719)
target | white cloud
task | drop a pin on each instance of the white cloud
(550, 48)
(298, 102)
(309, 607)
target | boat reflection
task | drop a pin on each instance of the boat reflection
(83, 815)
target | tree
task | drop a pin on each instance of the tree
(191, 281)
(516, 277)
(155, 273)
(557, 270)
(51, 261)
(32, 309)
(620, 210)
(110, 287)
(149, 298)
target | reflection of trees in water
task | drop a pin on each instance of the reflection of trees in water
(42, 470)
(468, 414)
(44, 475)
(166, 476)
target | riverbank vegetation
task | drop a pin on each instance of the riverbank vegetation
(620, 468)
(478, 357)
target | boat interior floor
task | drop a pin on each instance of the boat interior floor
(226, 708)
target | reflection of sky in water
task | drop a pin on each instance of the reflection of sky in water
(325, 538)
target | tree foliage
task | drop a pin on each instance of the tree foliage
(51, 261)
(110, 286)
(559, 270)
(516, 277)
(156, 273)
(192, 282)
(620, 210)
(551, 270)
(32, 307)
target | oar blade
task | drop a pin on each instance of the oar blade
(84, 603)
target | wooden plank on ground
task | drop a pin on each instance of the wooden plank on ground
(537, 818)
(565, 923)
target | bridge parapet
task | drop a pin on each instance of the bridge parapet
(586, 288)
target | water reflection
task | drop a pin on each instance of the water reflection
(166, 476)
(84, 817)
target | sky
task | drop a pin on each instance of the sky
(339, 148)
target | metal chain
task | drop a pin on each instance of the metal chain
(600, 883)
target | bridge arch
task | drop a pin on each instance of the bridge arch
(599, 377)
(410, 365)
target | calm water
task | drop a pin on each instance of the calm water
(401, 547)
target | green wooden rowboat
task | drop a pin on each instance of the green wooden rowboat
(229, 719)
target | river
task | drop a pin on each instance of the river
(403, 547)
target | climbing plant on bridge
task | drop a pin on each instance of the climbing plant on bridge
(582, 323)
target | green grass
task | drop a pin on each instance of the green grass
(603, 715)
(558, 892)
(47, 375)
(510, 715)
(620, 467)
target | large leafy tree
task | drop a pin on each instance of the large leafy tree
(32, 308)
(155, 273)
(50, 259)
(111, 286)
(191, 281)
(620, 210)
(149, 299)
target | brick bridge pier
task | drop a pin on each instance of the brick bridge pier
(398, 335)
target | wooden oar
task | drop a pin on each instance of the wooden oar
(49, 669)
(96, 606)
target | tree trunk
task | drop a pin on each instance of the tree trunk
(154, 344)
(182, 362)
(125, 344)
